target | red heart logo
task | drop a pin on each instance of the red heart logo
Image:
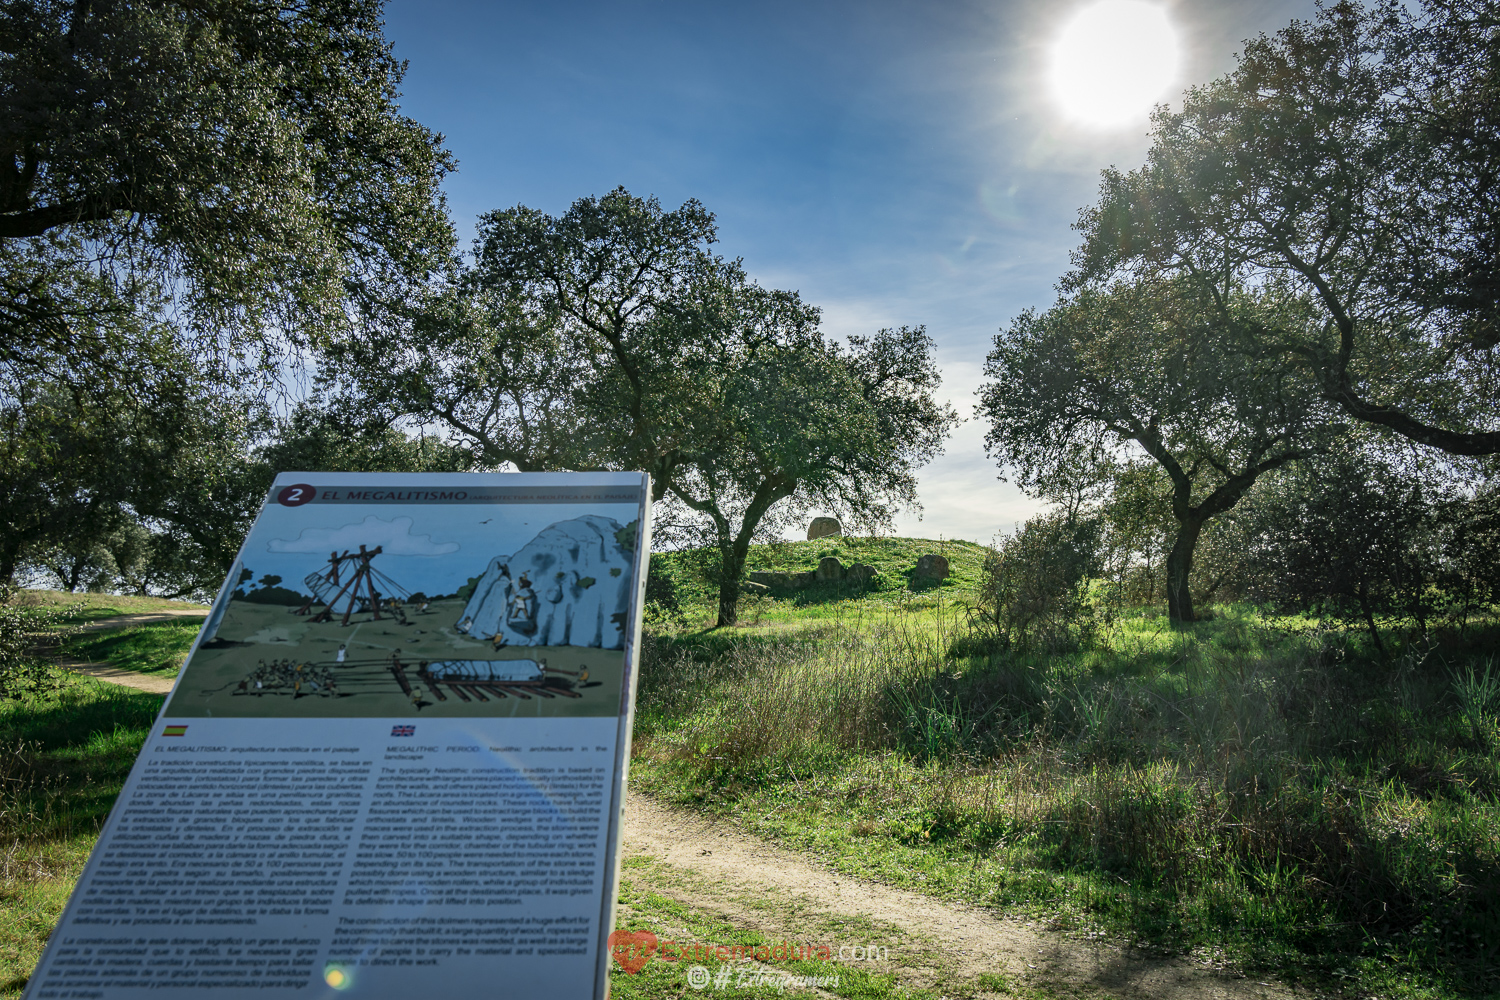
(632, 949)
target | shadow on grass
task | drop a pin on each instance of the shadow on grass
(154, 648)
(76, 714)
(833, 591)
(67, 753)
(1268, 786)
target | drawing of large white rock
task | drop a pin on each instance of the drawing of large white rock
(569, 586)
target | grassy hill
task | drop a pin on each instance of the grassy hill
(83, 608)
(1268, 793)
(689, 577)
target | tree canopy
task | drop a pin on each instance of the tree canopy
(138, 484)
(795, 420)
(1143, 366)
(245, 164)
(1352, 160)
(612, 337)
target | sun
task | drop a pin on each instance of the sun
(1113, 61)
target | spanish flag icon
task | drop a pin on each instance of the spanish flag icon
(174, 731)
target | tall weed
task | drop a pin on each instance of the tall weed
(1263, 783)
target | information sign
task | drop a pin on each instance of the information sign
(393, 764)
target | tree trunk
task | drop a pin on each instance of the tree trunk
(1364, 606)
(9, 556)
(1179, 568)
(732, 553)
(732, 564)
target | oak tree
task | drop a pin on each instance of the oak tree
(1107, 376)
(242, 167)
(1353, 160)
(612, 337)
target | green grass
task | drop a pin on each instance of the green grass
(64, 756)
(1251, 791)
(894, 592)
(84, 608)
(149, 649)
(642, 908)
(1242, 789)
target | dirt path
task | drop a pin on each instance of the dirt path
(128, 678)
(139, 618)
(710, 866)
(114, 675)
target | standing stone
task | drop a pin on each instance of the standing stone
(932, 567)
(771, 578)
(829, 569)
(822, 527)
(861, 573)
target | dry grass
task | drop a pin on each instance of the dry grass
(1232, 786)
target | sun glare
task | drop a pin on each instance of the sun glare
(1113, 61)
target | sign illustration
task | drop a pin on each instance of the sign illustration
(394, 760)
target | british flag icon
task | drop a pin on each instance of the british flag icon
(403, 730)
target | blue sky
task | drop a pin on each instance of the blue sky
(430, 548)
(896, 163)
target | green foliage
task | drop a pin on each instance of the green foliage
(612, 337)
(1478, 696)
(663, 609)
(1471, 571)
(1349, 539)
(23, 670)
(1037, 589)
(310, 193)
(1341, 161)
(78, 609)
(810, 425)
(145, 260)
(157, 648)
(64, 753)
(691, 578)
(1282, 797)
(336, 435)
(130, 486)
(103, 524)
(933, 721)
(1078, 391)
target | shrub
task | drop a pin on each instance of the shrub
(1036, 589)
(663, 606)
(1350, 540)
(22, 669)
(1470, 571)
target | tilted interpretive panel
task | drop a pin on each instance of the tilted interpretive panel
(394, 760)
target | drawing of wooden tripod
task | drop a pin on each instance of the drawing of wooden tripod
(359, 587)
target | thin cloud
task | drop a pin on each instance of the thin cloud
(394, 537)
